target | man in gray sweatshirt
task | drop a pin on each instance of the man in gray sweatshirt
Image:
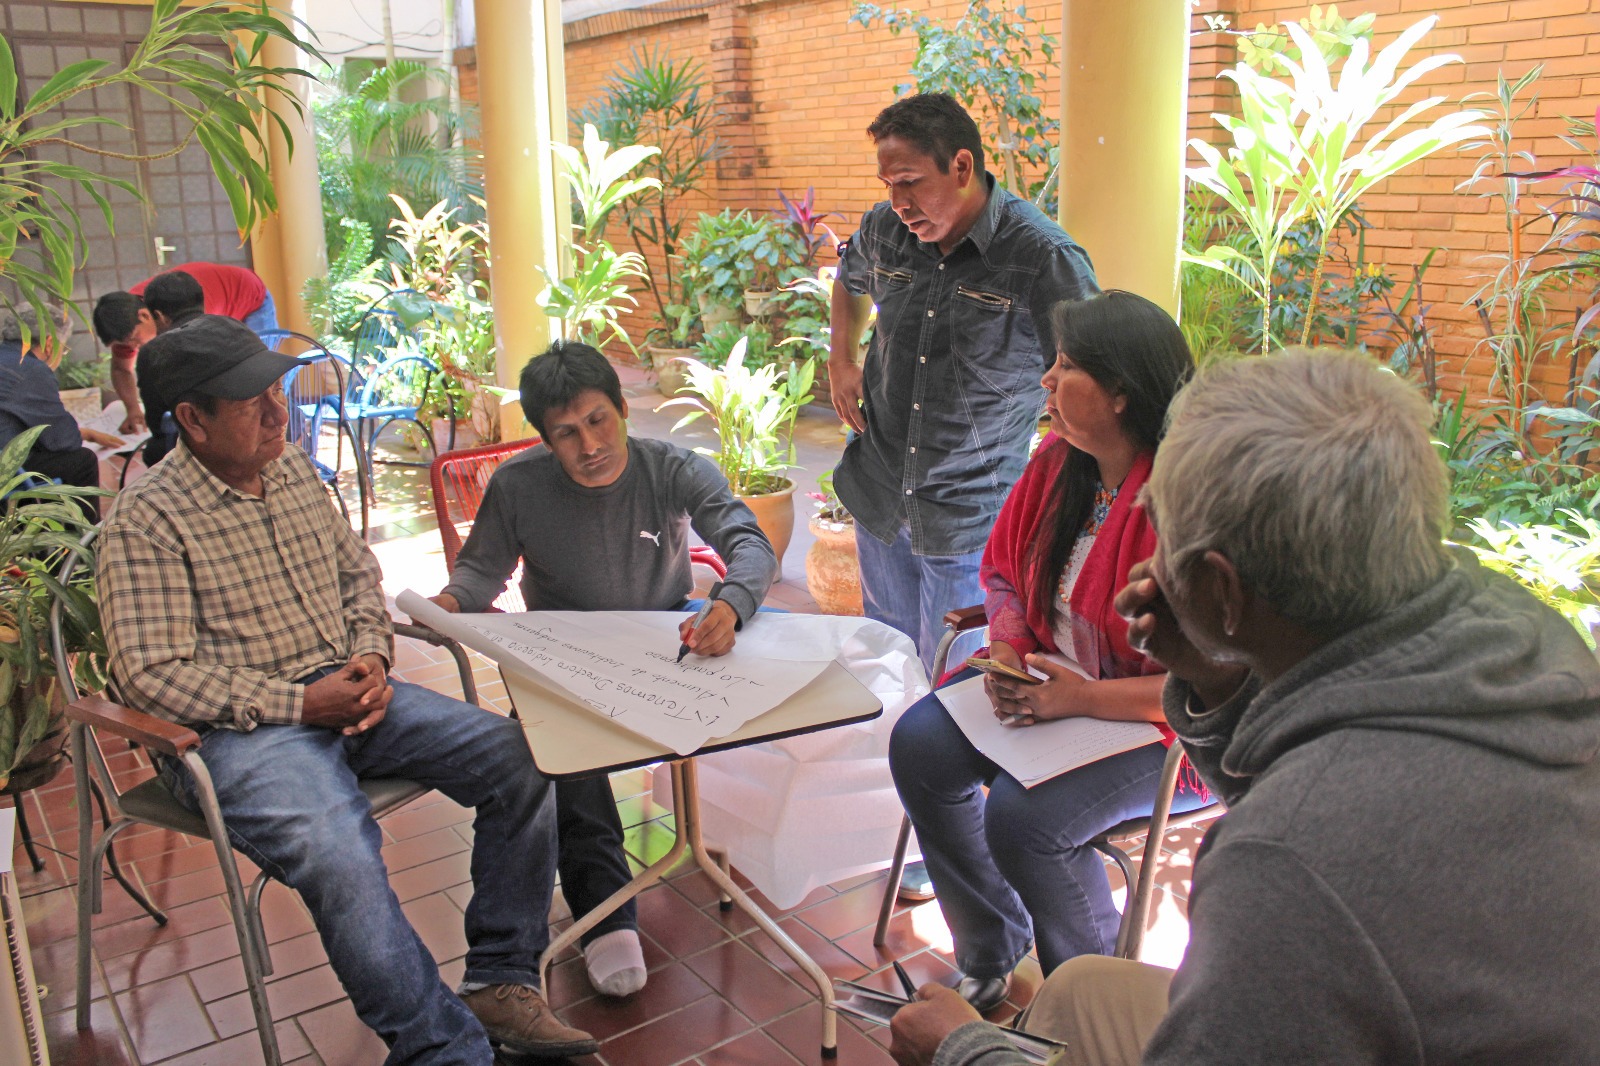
(600, 522)
(1408, 744)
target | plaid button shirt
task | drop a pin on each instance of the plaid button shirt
(215, 602)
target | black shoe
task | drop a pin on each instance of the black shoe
(984, 993)
(915, 884)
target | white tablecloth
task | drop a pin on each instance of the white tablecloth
(812, 810)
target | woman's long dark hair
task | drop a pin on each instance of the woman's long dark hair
(1132, 348)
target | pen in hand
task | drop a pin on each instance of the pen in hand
(905, 980)
(700, 616)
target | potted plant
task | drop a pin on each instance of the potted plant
(39, 523)
(599, 287)
(80, 381)
(682, 338)
(718, 346)
(735, 252)
(658, 100)
(771, 257)
(833, 571)
(754, 409)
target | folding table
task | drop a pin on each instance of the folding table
(571, 741)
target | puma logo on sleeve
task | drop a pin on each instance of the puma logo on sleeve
(656, 537)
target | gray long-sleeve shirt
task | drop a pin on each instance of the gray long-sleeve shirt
(1402, 875)
(622, 547)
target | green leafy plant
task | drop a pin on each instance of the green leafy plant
(223, 104)
(805, 308)
(755, 340)
(336, 301)
(386, 130)
(732, 251)
(683, 327)
(830, 510)
(1265, 49)
(656, 100)
(1513, 304)
(1298, 153)
(1561, 566)
(84, 373)
(754, 409)
(434, 254)
(591, 297)
(1574, 247)
(808, 225)
(39, 523)
(1409, 333)
(987, 60)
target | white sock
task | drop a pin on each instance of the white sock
(615, 963)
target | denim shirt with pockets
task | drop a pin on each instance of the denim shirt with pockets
(951, 377)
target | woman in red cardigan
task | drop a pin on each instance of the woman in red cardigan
(1016, 867)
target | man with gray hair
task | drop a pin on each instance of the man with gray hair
(1407, 744)
(30, 396)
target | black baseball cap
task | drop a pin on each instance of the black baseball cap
(210, 354)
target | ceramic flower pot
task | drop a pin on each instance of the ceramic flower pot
(774, 513)
(671, 375)
(759, 303)
(833, 573)
(713, 314)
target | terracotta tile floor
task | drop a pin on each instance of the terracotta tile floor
(719, 994)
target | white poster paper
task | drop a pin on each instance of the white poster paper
(1036, 753)
(621, 664)
(110, 421)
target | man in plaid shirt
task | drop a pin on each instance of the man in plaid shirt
(238, 603)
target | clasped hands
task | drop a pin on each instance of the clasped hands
(1060, 695)
(352, 699)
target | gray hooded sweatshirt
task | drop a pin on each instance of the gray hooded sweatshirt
(1409, 870)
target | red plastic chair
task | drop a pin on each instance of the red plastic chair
(459, 479)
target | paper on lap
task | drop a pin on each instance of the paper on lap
(110, 421)
(1036, 753)
(620, 664)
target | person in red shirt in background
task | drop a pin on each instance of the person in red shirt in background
(124, 322)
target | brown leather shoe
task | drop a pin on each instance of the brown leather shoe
(519, 1018)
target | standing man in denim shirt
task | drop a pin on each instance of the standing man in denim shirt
(964, 275)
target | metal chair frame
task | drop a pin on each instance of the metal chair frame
(308, 406)
(374, 369)
(1141, 885)
(150, 803)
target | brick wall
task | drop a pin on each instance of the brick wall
(805, 85)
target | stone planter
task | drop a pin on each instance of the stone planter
(671, 376)
(759, 303)
(833, 573)
(713, 313)
(774, 513)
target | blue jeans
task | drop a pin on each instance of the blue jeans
(1017, 866)
(290, 797)
(591, 860)
(263, 319)
(913, 593)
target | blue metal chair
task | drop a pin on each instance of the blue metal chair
(389, 379)
(316, 391)
(382, 328)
